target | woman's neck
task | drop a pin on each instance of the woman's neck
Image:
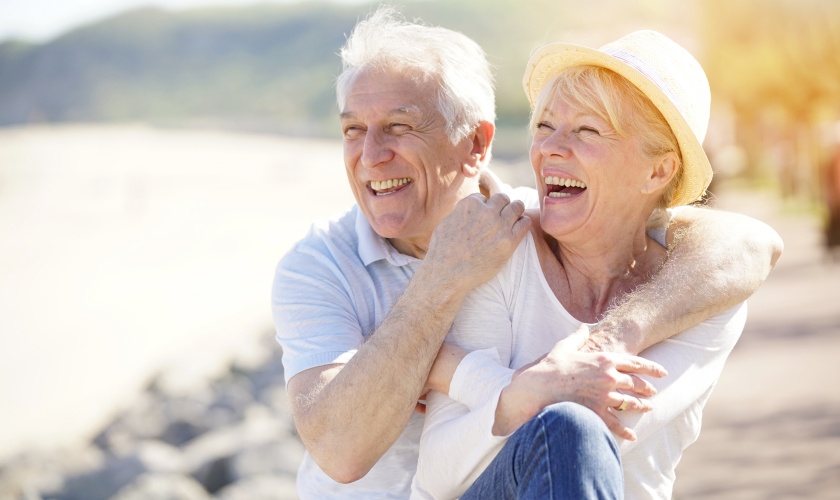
(589, 276)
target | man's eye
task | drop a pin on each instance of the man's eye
(352, 131)
(399, 128)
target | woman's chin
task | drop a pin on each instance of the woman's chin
(555, 224)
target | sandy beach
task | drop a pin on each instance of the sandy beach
(128, 251)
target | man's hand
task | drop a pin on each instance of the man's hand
(476, 239)
(600, 381)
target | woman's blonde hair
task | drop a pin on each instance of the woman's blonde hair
(615, 100)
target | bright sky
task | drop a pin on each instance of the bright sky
(38, 20)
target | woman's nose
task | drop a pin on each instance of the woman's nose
(555, 144)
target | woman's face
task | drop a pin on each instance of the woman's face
(591, 179)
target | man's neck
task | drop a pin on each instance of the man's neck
(415, 247)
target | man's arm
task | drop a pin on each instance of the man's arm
(716, 260)
(348, 415)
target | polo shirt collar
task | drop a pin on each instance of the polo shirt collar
(373, 247)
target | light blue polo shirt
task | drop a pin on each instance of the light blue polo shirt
(331, 291)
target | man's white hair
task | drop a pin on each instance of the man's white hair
(385, 41)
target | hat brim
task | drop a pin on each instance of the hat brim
(549, 60)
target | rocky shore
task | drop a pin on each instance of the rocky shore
(230, 438)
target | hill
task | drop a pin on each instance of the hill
(266, 68)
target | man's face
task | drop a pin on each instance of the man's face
(403, 169)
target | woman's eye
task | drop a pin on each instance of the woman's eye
(588, 130)
(544, 127)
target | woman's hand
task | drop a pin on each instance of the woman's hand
(600, 381)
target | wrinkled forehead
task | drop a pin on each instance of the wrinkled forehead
(373, 90)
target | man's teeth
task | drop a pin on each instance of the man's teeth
(390, 183)
(562, 181)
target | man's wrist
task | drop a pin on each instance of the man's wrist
(441, 285)
(623, 336)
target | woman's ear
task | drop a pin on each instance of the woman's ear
(479, 156)
(661, 173)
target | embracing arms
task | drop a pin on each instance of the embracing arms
(716, 260)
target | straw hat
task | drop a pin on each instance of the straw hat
(665, 72)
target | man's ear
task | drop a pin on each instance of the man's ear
(661, 173)
(480, 141)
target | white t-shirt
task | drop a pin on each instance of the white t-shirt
(516, 318)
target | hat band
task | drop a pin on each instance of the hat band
(639, 65)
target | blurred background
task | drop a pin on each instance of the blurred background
(157, 158)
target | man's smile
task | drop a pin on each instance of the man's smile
(389, 186)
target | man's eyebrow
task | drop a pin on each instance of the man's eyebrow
(402, 110)
(406, 110)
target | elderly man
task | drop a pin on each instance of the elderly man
(362, 304)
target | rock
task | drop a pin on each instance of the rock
(261, 488)
(186, 436)
(163, 487)
(232, 397)
(35, 474)
(143, 420)
(119, 471)
(180, 432)
(278, 457)
(208, 457)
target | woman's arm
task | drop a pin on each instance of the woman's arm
(457, 443)
(716, 260)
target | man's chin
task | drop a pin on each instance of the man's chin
(390, 226)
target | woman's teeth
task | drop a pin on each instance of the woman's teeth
(562, 182)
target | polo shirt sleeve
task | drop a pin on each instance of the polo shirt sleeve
(314, 314)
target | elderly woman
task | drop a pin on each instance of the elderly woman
(617, 136)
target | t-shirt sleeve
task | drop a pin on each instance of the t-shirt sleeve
(457, 442)
(314, 314)
(694, 360)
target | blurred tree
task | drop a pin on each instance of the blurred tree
(778, 63)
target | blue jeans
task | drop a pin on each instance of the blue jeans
(566, 451)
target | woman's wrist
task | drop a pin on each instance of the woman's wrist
(443, 369)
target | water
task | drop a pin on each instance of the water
(125, 250)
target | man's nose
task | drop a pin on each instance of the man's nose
(376, 149)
